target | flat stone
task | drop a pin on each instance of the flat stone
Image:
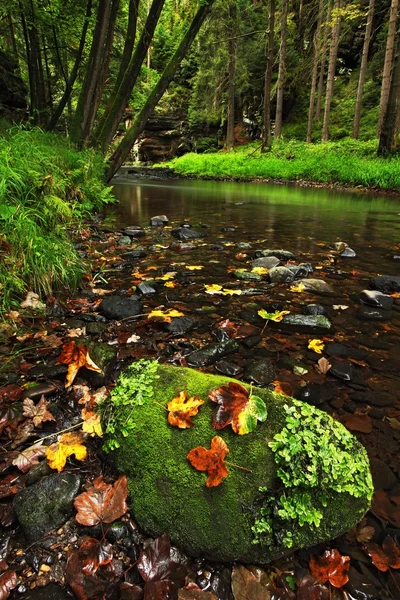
(145, 289)
(314, 309)
(368, 313)
(184, 235)
(301, 270)
(336, 349)
(281, 254)
(227, 368)
(179, 325)
(376, 299)
(47, 504)
(210, 354)
(385, 283)
(124, 240)
(118, 307)
(382, 475)
(245, 275)
(313, 322)
(268, 262)
(317, 393)
(135, 232)
(159, 220)
(281, 275)
(134, 254)
(348, 253)
(342, 369)
(260, 372)
(318, 286)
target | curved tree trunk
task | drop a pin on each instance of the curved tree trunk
(323, 63)
(391, 121)
(139, 124)
(129, 39)
(282, 69)
(331, 71)
(266, 134)
(387, 67)
(363, 68)
(317, 56)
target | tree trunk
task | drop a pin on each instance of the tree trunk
(317, 56)
(391, 121)
(266, 134)
(13, 42)
(48, 75)
(129, 39)
(323, 63)
(230, 126)
(387, 67)
(122, 90)
(139, 124)
(331, 71)
(363, 68)
(71, 80)
(38, 91)
(93, 71)
(282, 69)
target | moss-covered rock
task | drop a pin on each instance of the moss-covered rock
(309, 479)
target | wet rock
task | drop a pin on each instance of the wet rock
(145, 289)
(134, 254)
(268, 262)
(375, 398)
(135, 232)
(230, 229)
(51, 371)
(179, 325)
(342, 369)
(124, 240)
(382, 475)
(96, 328)
(314, 309)
(281, 254)
(252, 341)
(210, 354)
(376, 299)
(318, 286)
(385, 283)
(348, 253)
(116, 307)
(52, 591)
(184, 235)
(243, 246)
(261, 372)
(336, 350)
(313, 322)
(180, 247)
(47, 504)
(280, 275)
(244, 275)
(368, 313)
(317, 393)
(226, 368)
(301, 270)
(36, 391)
(159, 221)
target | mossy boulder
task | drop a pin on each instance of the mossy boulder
(309, 481)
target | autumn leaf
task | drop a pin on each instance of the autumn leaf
(276, 316)
(67, 445)
(32, 300)
(8, 581)
(166, 316)
(29, 457)
(170, 284)
(238, 408)
(300, 287)
(166, 276)
(102, 503)
(316, 345)
(212, 461)
(259, 270)
(331, 566)
(38, 412)
(75, 357)
(229, 292)
(282, 387)
(182, 408)
(194, 267)
(245, 585)
(323, 365)
(91, 422)
(386, 556)
(81, 568)
(213, 288)
(10, 485)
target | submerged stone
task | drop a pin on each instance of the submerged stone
(369, 313)
(184, 235)
(385, 283)
(268, 262)
(318, 286)
(314, 309)
(288, 498)
(261, 372)
(307, 322)
(281, 275)
(117, 307)
(281, 254)
(244, 275)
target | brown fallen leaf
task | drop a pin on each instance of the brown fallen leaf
(37, 412)
(102, 503)
(332, 567)
(386, 556)
(7, 515)
(81, 568)
(8, 581)
(76, 357)
(245, 585)
(362, 423)
(29, 457)
(10, 485)
(323, 365)
(192, 594)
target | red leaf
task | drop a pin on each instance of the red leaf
(8, 581)
(385, 557)
(82, 564)
(361, 423)
(211, 461)
(231, 399)
(331, 566)
(10, 485)
(103, 502)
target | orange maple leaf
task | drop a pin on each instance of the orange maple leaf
(212, 461)
(75, 357)
(331, 566)
(67, 444)
(181, 408)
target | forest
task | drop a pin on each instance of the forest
(199, 299)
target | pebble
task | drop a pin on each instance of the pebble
(184, 235)
(367, 313)
(261, 372)
(268, 262)
(281, 254)
(313, 322)
(376, 299)
(318, 286)
(281, 275)
(124, 240)
(342, 369)
(159, 221)
(314, 309)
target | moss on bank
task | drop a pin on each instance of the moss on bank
(167, 494)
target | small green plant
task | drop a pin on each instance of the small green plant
(134, 388)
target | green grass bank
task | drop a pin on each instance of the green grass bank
(346, 162)
(47, 188)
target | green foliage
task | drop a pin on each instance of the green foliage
(135, 388)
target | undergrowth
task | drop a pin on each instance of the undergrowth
(346, 162)
(46, 189)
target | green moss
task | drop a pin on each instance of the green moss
(167, 494)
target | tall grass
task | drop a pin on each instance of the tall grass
(347, 162)
(46, 189)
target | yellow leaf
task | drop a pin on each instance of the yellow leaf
(92, 423)
(228, 292)
(75, 357)
(67, 445)
(298, 288)
(181, 408)
(170, 284)
(167, 276)
(276, 316)
(213, 289)
(259, 270)
(316, 345)
(165, 315)
(194, 267)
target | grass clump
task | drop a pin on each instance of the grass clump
(46, 189)
(346, 162)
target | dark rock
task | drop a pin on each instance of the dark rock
(301, 270)
(317, 393)
(117, 532)
(281, 254)
(336, 350)
(281, 275)
(135, 232)
(385, 283)
(252, 341)
(124, 240)
(382, 475)
(368, 313)
(318, 286)
(47, 504)
(38, 472)
(36, 391)
(314, 309)
(376, 398)
(210, 354)
(268, 262)
(96, 328)
(179, 325)
(376, 299)
(260, 372)
(52, 591)
(134, 254)
(116, 307)
(348, 253)
(306, 322)
(231, 229)
(245, 275)
(184, 235)
(159, 220)
(47, 371)
(342, 369)
(227, 368)
(145, 289)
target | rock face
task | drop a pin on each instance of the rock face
(225, 522)
(163, 138)
(13, 106)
